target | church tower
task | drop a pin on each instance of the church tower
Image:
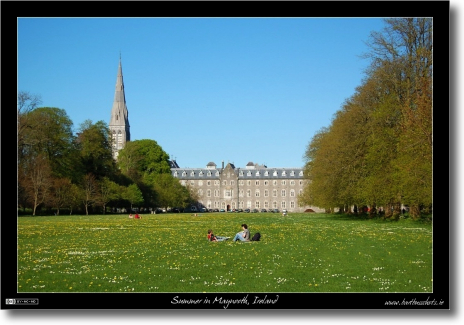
(119, 122)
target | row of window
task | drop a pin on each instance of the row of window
(249, 205)
(241, 182)
(229, 193)
(241, 173)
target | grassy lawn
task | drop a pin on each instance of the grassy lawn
(170, 253)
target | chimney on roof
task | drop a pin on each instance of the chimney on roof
(223, 164)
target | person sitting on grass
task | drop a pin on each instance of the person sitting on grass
(243, 235)
(212, 237)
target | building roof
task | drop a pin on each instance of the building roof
(259, 173)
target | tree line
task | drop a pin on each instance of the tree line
(59, 170)
(377, 151)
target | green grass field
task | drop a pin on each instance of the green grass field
(170, 253)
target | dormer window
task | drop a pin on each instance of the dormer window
(201, 173)
(192, 173)
(184, 173)
(217, 173)
(292, 173)
(275, 173)
(266, 173)
(175, 174)
(301, 173)
(257, 173)
(209, 173)
(249, 173)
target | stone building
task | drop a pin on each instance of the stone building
(253, 187)
(119, 122)
(227, 187)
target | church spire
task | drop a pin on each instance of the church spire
(119, 122)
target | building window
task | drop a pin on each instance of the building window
(248, 193)
(292, 183)
(232, 183)
(266, 205)
(217, 173)
(249, 183)
(292, 193)
(248, 173)
(216, 183)
(200, 192)
(240, 193)
(209, 173)
(284, 173)
(283, 205)
(257, 204)
(266, 173)
(256, 182)
(275, 173)
(192, 183)
(119, 140)
(208, 204)
(292, 173)
(241, 173)
(284, 193)
(274, 193)
(241, 204)
(301, 173)
(301, 183)
(208, 193)
(274, 204)
(241, 183)
(248, 204)
(201, 173)
(257, 193)
(274, 183)
(292, 205)
(223, 205)
(200, 183)
(284, 182)
(227, 193)
(216, 193)
(192, 173)
(266, 193)
(208, 183)
(266, 183)
(257, 173)
(184, 173)
(175, 174)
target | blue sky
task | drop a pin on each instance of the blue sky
(206, 89)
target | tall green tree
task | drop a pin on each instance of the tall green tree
(107, 191)
(88, 191)
(47, 131)
(142, 160)
(133, 195)
(95, 150)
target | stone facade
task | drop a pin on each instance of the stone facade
(119, 121)
(253, 187)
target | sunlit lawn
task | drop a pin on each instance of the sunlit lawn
(170, 253)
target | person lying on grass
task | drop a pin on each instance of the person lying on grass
(212, 237)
